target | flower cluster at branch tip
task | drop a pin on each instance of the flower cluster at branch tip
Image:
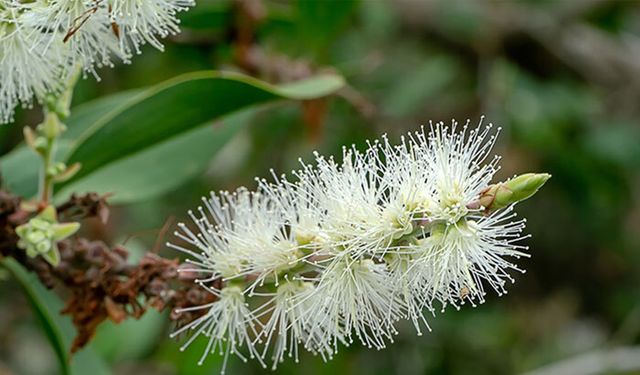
(343, 250)
(43, 42)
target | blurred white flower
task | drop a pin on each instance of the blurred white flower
(25, 72)
(81, 28)
(146, 21)
(43, 42)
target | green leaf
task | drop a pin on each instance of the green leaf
(142, 143)
(162, 168)
(57, 328)
(177, 106)
(88, 113)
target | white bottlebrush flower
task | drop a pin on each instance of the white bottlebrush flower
(355, 297)
(80, 26)
(25, 73)
(299, 205)
(407, 188)
(406, 177)
(254, 231)
(345, 249)
(408, 282)
(228, 325)
(209, 252)
(349, 194)
(146, 21)
(240, 236)
(457, 260)
(288, 324)
(459, 166)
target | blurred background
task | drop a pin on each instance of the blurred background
(562, 79)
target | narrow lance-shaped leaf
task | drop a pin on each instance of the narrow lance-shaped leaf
(179, 105)
(115, 132)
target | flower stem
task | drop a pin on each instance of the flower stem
(56, 108)
(46, 177)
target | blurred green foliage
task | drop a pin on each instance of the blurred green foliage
(559, 77)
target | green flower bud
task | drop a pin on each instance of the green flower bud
(56, 169)
(21, 231)
(520, 188)
(511, 191)
(43, 246)
(35, 237)
(51, 127)
(41, 234)
(31, 250)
